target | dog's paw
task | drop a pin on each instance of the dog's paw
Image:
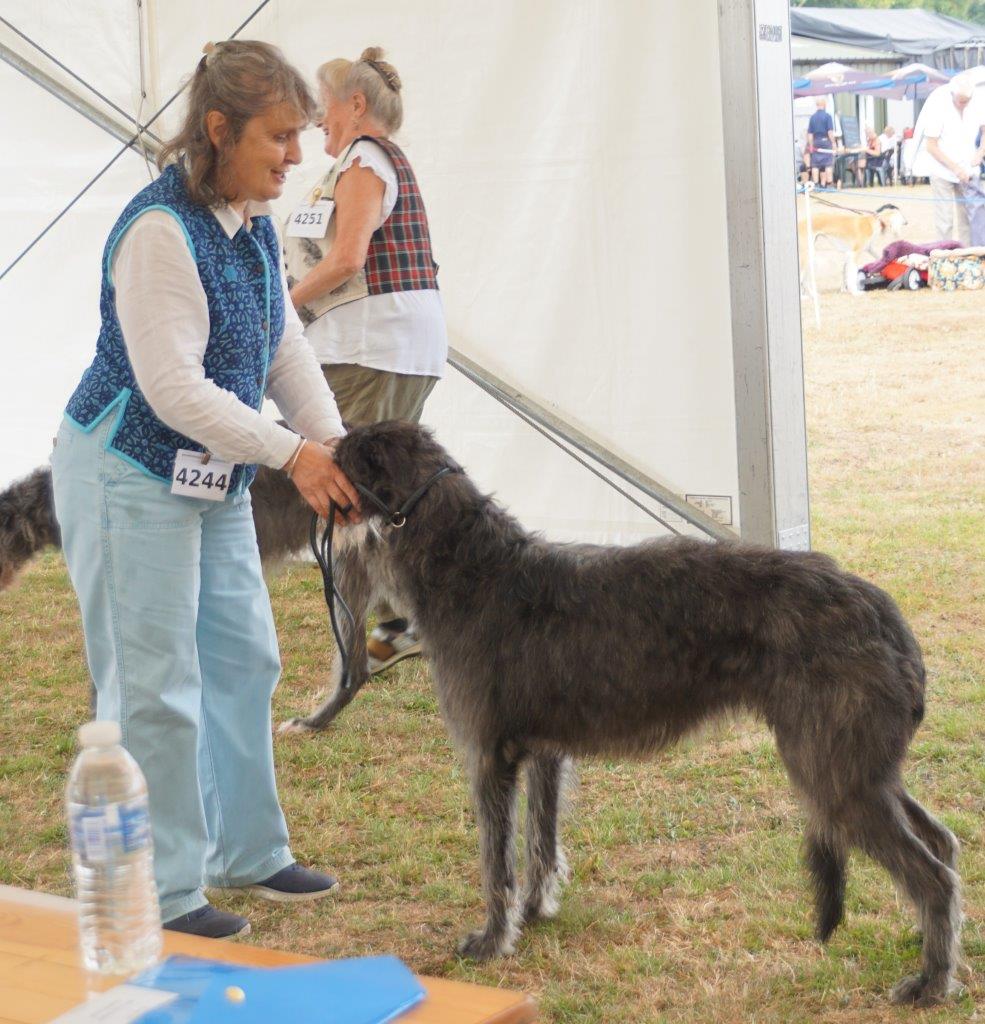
(919, 990)
(542, 903)
(484, 945)
(294, 727)
(539, 908)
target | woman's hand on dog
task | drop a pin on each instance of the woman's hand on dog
(317, 476)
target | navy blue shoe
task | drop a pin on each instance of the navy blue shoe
(209, 923)
(293, 884)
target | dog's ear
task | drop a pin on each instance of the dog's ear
(891, 218)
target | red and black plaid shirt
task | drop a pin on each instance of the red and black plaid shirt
(400, 257)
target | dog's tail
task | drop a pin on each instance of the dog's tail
(27, 522)
(826, 862)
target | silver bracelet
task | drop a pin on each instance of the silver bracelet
(289, 468)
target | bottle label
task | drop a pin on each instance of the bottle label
(100, 833)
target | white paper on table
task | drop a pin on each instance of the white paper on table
(121, 1005)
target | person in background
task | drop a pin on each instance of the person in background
(802, 157)
(874, 160)
(821, 132)
(948, 152)
(367, 289)
(907, 152)
(872, 148)
(888, 143)
(151, 473)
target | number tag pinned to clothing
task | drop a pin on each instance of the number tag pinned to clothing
(310, 221)
(196, 478)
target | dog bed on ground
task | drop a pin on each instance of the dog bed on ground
(957, 269)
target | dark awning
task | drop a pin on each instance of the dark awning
(911, 31)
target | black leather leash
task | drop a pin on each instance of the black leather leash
(321, 548)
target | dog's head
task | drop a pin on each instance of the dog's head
(891, 220)
(391, 460)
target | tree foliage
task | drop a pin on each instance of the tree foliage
(967, 10)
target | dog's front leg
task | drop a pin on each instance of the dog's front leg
(494, 785)
(353, 582)
(851, 275)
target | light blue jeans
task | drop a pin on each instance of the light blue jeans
(181, 646)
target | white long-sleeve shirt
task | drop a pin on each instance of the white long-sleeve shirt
(164, 317)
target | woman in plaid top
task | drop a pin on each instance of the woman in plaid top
(366, 287)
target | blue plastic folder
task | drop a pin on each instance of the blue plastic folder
(369, 990)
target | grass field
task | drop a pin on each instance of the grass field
(688, 902)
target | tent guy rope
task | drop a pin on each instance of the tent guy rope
(135, 140)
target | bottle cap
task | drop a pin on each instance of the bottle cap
(100, 734)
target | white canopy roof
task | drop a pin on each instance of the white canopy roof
(578, 215)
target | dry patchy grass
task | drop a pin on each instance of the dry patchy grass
(688, 902)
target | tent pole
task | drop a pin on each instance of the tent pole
(68, 71)
(148, 15)
(767, 357)
(514, 400)
(77, 103)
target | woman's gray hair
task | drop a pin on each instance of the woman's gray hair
(240, 79)
(371, 75)
(963, 85)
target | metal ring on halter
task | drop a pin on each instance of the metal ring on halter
(397, 520)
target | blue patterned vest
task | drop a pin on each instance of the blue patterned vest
(241, 279)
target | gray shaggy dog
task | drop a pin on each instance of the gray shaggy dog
(542, 652)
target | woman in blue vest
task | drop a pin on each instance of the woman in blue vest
(152, 468)
(366, 285)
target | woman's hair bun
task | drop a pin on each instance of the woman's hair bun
(373, 55)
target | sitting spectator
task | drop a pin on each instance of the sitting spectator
(875, 160)
(888, 143)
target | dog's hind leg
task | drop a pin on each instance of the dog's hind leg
(826, 858)
(883, 831)
(494, 785)
(547, 866)
(940, 840)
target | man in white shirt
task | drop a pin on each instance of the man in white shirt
(948, 151)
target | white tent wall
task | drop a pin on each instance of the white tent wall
(571, 156)
(49, 302)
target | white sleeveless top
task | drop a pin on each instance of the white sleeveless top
(403, 332)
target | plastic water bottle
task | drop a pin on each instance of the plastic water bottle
(112, 855)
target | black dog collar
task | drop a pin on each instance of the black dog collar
(399, 516)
